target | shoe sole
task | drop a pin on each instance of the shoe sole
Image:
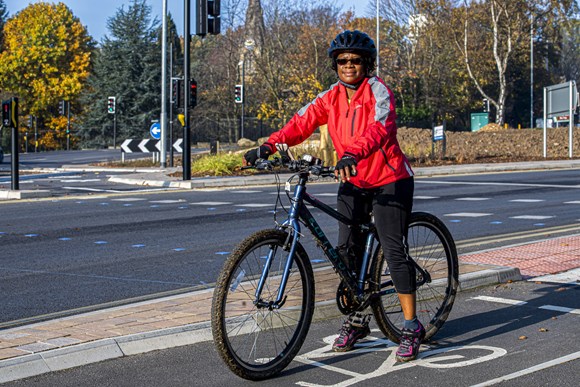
(350, 347)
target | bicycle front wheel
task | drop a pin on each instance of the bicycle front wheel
(259, 340)
(433, 250)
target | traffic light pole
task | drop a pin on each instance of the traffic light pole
(68, 127)
(163, 161)
(115, 130)
(186, 58)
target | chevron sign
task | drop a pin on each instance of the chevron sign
(146, 146)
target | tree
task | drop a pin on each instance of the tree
(3, 18)
(128, 67)
(46, 59)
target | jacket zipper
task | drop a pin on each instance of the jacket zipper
(387, 160)
(352, 123)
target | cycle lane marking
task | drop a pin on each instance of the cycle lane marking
(425, 359)
(527, 371)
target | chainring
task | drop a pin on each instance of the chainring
(345, 299)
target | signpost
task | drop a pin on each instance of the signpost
(439, 135)
(560, 100)
(10, 120)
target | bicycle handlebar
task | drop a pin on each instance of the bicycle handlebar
(307, 163)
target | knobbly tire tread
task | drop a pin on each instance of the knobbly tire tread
(220, 291)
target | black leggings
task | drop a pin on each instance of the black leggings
(391, 206)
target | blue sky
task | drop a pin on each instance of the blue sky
(95, 13)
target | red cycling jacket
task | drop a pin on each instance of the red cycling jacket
(364, 129)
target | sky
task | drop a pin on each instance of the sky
(95, 13)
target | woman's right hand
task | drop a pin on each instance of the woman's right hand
(251, 156)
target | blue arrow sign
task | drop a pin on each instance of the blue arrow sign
(155, 130)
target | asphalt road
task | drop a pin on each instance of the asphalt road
(59, 255)
(506, 333)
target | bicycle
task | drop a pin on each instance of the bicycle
(263, 301)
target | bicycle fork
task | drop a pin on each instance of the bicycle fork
(293, 226)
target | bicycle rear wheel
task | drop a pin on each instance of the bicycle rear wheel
(256, 342)
(433, 249)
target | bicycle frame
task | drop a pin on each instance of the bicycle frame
(299, 212)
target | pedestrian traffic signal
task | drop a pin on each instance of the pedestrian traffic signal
(10, 113)
(111, 102)
(192, 93)
(239, 94)
(176, 91)
(61, 108)
(207, 20)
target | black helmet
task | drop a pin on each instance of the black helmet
(356, 41)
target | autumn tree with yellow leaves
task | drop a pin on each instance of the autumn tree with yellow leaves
(46, 59)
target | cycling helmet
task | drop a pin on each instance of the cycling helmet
(356, 41)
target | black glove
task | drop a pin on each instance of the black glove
(263, 152)
(345, 168)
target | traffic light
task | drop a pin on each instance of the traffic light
(10, 113)
(61, 108)
(111, 102)
(6, 113)
(485, 105)
(192, 93)
(207, 19)
(176, 91)
(239, 94)
(30, 121)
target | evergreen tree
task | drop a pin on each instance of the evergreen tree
(128, 67)
(3, 17)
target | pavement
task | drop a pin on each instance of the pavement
(184, 319)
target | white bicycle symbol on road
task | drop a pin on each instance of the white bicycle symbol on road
(448, 357)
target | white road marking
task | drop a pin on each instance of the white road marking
(468, 214)
(326, 194)
(79, 180)
(527, 200)
(508, 301)
(560, 309)
(527, 371)
(254, 205)
(571, 277)
(211, 203)
(420, 181)
(128, 200)
(499, 300)
(573, 202)
(93, 189)
(168, 201)
(425, 197)
(532, 217)
(472, 199)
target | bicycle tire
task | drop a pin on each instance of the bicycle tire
(432, 247)
(257, 343)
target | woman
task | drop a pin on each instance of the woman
(374, 174)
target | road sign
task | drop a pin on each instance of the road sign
(155, 130)
(177, 145)
(438, 133)
(147, 146)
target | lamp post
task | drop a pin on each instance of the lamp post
(378, 38)
(532, 71)
(249, 45)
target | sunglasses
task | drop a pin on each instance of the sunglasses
(354, 61)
